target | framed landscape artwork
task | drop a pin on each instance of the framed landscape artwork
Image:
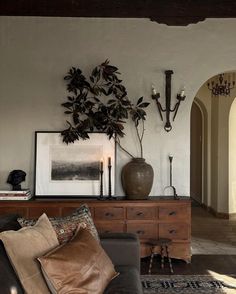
(73, 169)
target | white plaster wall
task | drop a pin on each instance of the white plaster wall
(37, 52)
(232, 158)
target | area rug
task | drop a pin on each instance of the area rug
(188, 284)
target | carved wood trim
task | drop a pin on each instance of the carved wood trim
(170, 12)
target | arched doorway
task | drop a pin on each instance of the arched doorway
(196, 153)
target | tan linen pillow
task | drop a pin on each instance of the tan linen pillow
(24, 246)
(80, 266)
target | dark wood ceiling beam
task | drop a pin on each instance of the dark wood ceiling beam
(171, 12)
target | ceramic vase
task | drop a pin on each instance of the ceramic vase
(137, 179)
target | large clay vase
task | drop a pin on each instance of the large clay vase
(137, 179)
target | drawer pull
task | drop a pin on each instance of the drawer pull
(109, 214)
(172, 231)
(172, 213)
(139, 213)
(140, 232)
(107, 231)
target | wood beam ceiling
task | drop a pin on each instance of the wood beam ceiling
(170, 12)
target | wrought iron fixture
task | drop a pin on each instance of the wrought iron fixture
(180, 97)
(221, 86)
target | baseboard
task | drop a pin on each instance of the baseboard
(218, 214)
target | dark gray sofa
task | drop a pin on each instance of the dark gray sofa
(123, 249)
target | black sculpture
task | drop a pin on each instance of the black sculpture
(15, 177)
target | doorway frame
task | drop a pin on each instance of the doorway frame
(202, 109)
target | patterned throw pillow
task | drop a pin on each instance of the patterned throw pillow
(66, 226)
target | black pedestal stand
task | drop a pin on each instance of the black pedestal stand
(176, 197)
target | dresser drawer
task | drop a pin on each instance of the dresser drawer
(140, 212)
(173, 213)
(109, 213)
(69, 210)
(174, 231)
(144, 231)
(35, 212)
(110, 228)
(21, 211)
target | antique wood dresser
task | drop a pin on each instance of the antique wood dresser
(157, 217)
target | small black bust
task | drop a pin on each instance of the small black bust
(15, 177)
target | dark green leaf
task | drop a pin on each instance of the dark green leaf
(140, 100)
(144, 105)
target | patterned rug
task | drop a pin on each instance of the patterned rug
(188, 284)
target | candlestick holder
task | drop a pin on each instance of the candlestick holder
(109, 180)
(101, 197)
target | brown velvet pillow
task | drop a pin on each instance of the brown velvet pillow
(24, 246)
(79, 266)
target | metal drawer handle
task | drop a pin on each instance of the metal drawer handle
(172, 213)
(109, 214)
(140, 232)
(139, 213)
(172, 231)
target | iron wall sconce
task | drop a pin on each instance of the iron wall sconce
(180, 97)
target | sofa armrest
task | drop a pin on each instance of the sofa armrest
(122, 248)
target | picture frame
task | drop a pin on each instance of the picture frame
(73, 170)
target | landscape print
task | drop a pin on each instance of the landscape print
(75, 163)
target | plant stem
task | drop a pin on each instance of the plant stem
(117, 140)
(140, 137)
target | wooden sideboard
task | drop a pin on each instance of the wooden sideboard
(157, 217)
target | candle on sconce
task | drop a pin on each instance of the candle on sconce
(154, 91)
(109, 161)
(101, 165)
(182, 92)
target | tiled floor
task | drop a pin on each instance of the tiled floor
(211, 235)
(213, 247)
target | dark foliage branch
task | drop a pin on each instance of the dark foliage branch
(100, 104)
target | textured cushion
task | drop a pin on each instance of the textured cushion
(24, 246)
(9, 222)
(79, 266)
(66, 226)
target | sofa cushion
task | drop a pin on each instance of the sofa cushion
(9, 222)
(23, 246)
(8, 277)
(79, 266)
(128, 281)
(66, 226)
